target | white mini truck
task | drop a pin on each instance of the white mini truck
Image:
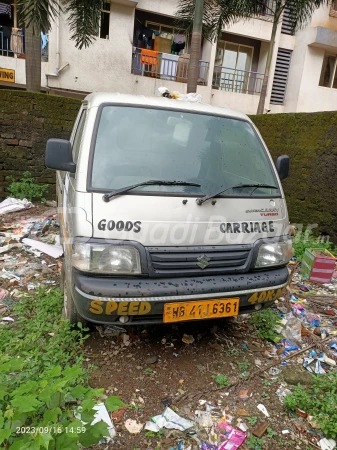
(170, 211)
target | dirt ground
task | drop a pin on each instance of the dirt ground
(183, 375)
(151, 368)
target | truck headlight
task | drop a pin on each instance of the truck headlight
(274, 254)
(106, 259)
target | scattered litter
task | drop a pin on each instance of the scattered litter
(133, 426)
(285, 431)
(263, 409)
(55, 251)
(243, 427)
(7, 319)
(110, 330)
(192, 97)
(169, 419)
(245, 347)
(204, 419)
(244, 394)
(282, 392)
(188, 339)
(274, 371)
(327, 444)
(11, 204)
(3, 293)
(234, 438)
(260, 429)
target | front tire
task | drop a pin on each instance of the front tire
(69, 309)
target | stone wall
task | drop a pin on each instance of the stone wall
(27, 121)
(310, 139)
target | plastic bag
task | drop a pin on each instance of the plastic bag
(192, 97)
(292, 330)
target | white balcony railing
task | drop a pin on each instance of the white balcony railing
(240, 81)
(165, 66)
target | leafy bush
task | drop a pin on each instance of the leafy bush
(42, 381)
(27, 188)
(318, 400)
(265, 322)
(221, 380)
(307, 240)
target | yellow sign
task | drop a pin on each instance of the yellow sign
(266, 296)
(120, 308)
(206, 309)
(7, 75)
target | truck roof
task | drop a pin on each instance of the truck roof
(96, 99)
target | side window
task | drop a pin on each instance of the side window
(78, 135)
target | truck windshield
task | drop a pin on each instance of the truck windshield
(136, 144)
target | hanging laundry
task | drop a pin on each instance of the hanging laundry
(17, 41)
(6, 9)
(168, 67)
(44, 40)
(149, 57)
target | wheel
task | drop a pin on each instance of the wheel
(69, 309)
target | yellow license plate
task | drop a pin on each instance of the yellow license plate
(206, 309)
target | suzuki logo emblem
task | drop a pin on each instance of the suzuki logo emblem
(203, 261)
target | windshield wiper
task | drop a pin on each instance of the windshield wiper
(202, 200)
(109, 195)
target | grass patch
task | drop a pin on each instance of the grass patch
(303, 241)
(318, 400)
(265, 322)
(42, 380)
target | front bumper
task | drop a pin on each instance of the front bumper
(103, 300)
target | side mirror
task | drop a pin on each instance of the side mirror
(59, 155)
(282, 166)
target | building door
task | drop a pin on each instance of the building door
(234, 62)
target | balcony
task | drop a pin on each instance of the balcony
(11, 44)
(239, 81)
(165, 66)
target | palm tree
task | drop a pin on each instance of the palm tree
(300, 12)
(218, 14)
(206, 18)
(38, 15)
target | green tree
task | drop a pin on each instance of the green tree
(217, 14)
(38, 16)
(300, 12)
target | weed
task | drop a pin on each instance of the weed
(265, 322)
(266, 382)
(45, 353)
(233, 352)
(318, 400)
(265, 395)
(153, 434)
(27, 188)
(255, 443)
(303, 241)
(221, 380)
(243, 365)
(271, 433)
(252, 420)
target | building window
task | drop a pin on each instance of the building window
(328, 75)
(104, 25)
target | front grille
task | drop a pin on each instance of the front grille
(204, 260)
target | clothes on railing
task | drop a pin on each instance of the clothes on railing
(149, 57)
(17, 41)
(6, 9)
(168, 67)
